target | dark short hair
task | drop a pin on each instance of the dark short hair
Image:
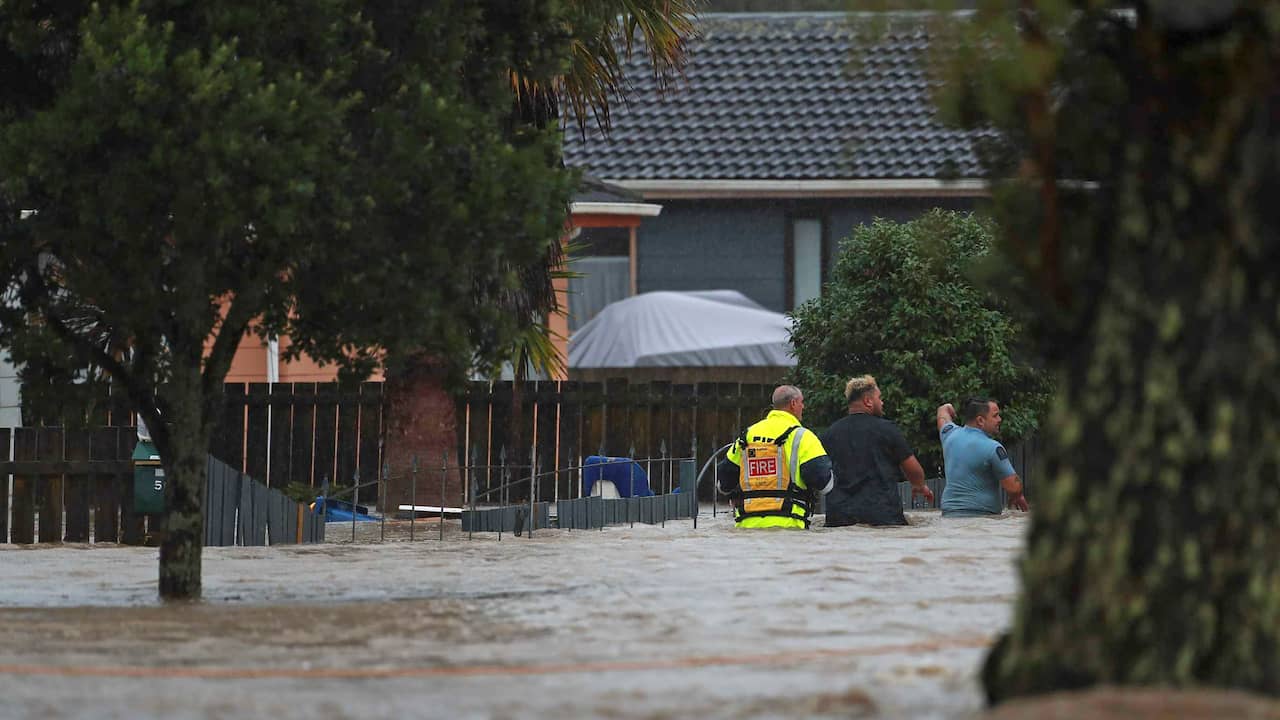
(973, 407)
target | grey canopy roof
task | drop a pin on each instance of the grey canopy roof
(709, 328)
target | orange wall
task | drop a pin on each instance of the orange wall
(250, 365)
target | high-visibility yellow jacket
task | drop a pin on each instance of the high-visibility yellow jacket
(802, 465)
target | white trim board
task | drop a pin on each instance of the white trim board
(608, 208)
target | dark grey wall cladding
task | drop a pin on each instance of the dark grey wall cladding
(714, 245)
(742, 244)
(847, 215)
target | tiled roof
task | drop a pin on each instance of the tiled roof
(775, 97)
(593, 189)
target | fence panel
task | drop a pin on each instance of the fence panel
(683, 411)
(474, 434)
(546, 432)
(302, 435)
(593, 419)
(569, 425)
(528, 403)
(278, 506)
(78, 488)
(257, 429)
(104, 446)
(326, 435)
(370, 431)
(347, 436)
(49, 486)
(280, 405)
(4, 487)
(228, 436)
(500, 430)
(616, 418)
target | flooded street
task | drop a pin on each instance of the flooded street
(643, 622)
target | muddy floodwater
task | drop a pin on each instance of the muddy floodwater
(643, 622)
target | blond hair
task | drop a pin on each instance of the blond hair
(857, 387)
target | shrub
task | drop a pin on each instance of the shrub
(906, 303)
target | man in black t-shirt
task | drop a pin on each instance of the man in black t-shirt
(869, 457)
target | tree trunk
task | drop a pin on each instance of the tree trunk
(1152, 556)
(186, 449)
(421, 424)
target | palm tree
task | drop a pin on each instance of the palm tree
(603, 35)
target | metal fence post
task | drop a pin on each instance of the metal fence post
(413, 495)
(473, 487)
(631, 476)
(695, 481)
(502, 490)
(715, 486)
(355, 503)
(533, 486)
(444, 475)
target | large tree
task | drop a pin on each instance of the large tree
(1135, 172)
(174, 175)
(906, 303)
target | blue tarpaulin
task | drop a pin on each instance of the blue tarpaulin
(626, 475)
(340, 510)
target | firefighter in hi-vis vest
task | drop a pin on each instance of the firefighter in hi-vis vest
(773, 472)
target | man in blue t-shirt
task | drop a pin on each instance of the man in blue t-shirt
(977, 465)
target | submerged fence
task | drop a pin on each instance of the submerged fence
(564, 422)
(308, 432)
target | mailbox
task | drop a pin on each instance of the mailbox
(148, 479)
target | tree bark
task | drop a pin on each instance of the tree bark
(421, 422)
(184, 443)
(1152, 556)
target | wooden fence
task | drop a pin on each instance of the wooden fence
(85, 477)
(239, 510)
(69, 486)
(77, 486)
(301, 432)
(306, 432)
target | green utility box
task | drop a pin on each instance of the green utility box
(148, 479)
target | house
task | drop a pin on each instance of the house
(774, 148)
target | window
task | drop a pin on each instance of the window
(806, 257)
(603, 263)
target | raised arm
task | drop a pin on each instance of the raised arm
(946, 414)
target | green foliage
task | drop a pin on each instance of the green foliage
(605, 35)
(903, 304)
(335, 177)
(351, 174)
